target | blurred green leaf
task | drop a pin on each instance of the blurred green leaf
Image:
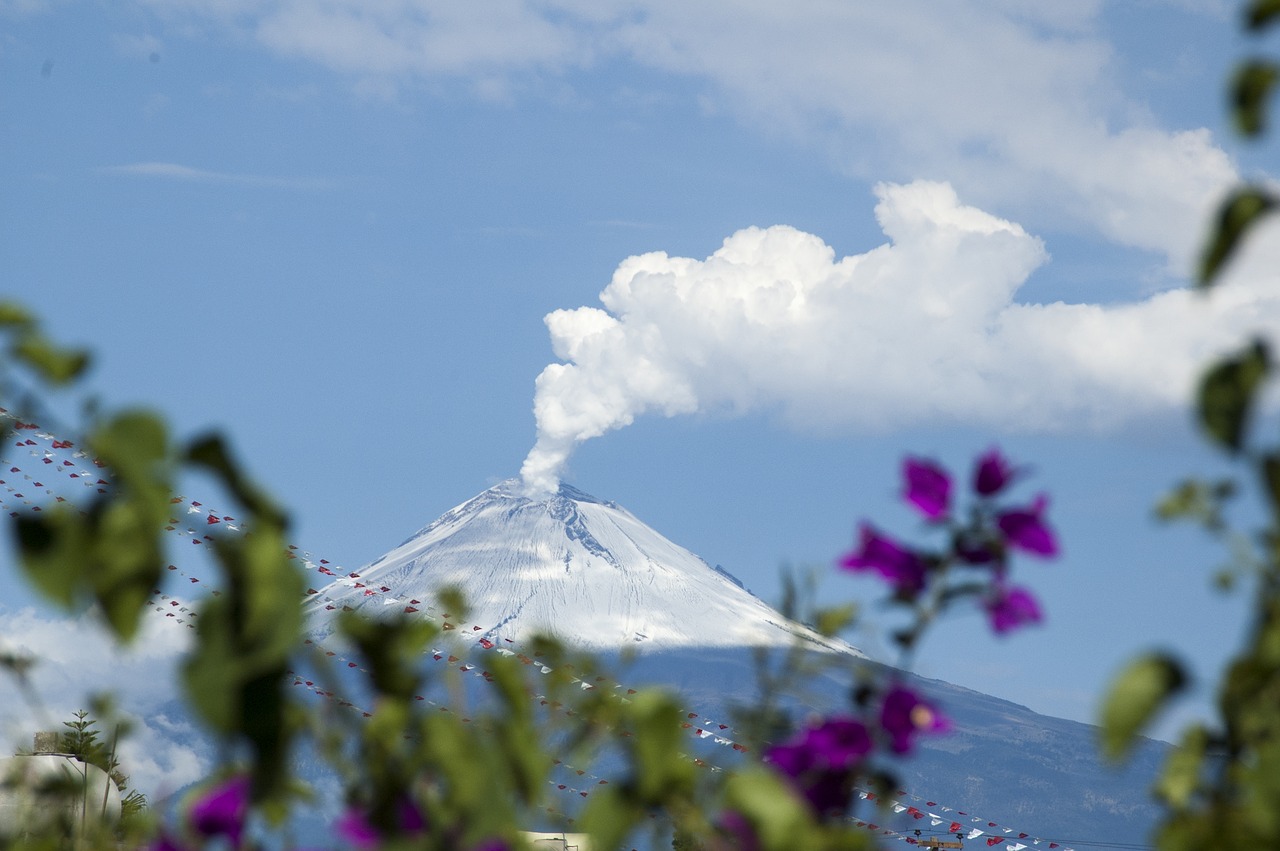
(54, 364)
(1239, 212)
(51, 547)
(1261, 13)
(661, 769)
(211, 452)
(1250, 90)
(1134, 698)
(135, 445)
(128, 563)
(235, 676)
(833, 620)
(392, 650)
(1227, 393)
(1180, 777)
(609, 817)
(780, 820)
(15, 315)
(1197, 500)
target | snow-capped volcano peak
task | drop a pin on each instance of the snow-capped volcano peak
(571, 565)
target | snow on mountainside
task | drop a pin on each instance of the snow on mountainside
(571, 565)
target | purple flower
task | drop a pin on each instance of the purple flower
(928, 487)
(492, 845)
(820, 761)
(1025, 528)
(894, 562)
(355, 829)
(165, 842)
(735, 826)
(904, 714)
(1009, 608)
(993, 473)
(222, 810)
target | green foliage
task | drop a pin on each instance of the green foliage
(1221, 787)
(1237, 215)
(1251, 88)
(1134, 699)
(1261, 13)
(1227, 394)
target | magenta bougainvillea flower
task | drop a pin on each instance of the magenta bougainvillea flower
(735, 827)
(993, 473)
(1026, 529)
(885, 556)
(904, 715)
(1009, 608)
(928, 487)
(820, 761)
(356, 828)
(165, 842)
(223, 809)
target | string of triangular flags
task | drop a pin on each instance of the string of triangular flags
(84, 473)
(961, 823)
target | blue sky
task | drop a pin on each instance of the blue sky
(334, 231)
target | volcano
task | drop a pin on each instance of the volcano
(591, 574)
(581, 569)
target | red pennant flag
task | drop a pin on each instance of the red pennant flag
(955, 827)
(995, 840)
(409, 610)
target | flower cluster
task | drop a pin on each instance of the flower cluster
(823, 761)
(984, 538)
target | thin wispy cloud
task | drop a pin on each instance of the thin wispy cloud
(1015, 104)
(188, 174)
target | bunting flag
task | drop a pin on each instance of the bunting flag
(62, 459)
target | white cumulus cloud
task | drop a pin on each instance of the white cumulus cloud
(924, 328)
(76, 659)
